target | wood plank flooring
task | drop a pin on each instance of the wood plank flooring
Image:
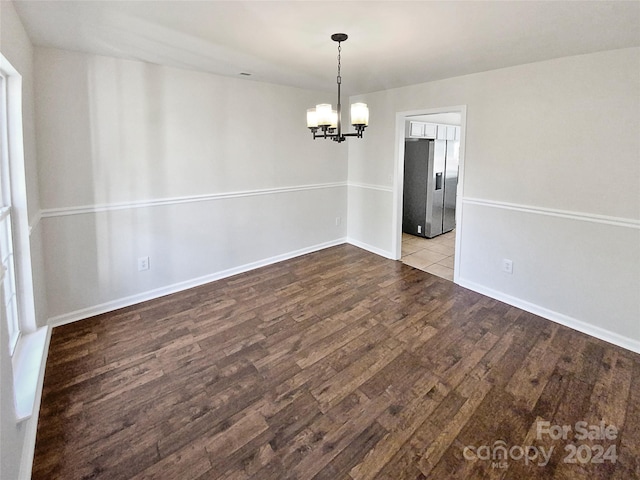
(337, 365)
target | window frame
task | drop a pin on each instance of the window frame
(13, 194)
(9, 280)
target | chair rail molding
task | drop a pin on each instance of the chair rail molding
(105, 207)
(587, 217)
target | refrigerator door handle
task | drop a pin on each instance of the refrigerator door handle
(439, 181)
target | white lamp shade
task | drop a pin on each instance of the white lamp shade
(312, 118)
(334, 119)
(359, 114)
(323, 114)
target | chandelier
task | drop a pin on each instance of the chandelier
(324, 122)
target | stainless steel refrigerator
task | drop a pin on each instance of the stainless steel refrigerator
(430, 182)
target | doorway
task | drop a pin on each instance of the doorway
(438, 255)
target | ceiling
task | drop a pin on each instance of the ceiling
(391, 43)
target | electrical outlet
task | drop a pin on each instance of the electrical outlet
(419, 228)
(143, 263)
(338, 221)
(507, 266)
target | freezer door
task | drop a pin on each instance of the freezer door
(414, 200)
(435, 189)
(450, 187)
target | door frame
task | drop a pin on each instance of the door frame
(398, 179)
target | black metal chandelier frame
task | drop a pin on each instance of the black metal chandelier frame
(323, 128)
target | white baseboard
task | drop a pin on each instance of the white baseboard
(178, 287)
(371, 248)
(31, 425)
(589, 329)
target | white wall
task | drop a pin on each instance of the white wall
(17, 49)
(207, 175)
(551, 181)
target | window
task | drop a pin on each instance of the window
(7, 264)
(27, 343)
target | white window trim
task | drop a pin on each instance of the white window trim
(9, 284)
(13, 322)
(30, 351)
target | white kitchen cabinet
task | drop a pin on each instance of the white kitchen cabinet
(432, 131)
(422, 130)
(416, 129)
(451, 132)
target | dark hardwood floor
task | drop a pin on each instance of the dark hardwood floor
(335, 365)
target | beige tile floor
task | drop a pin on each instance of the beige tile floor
(433, 255)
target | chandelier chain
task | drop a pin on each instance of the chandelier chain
(339, 65)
